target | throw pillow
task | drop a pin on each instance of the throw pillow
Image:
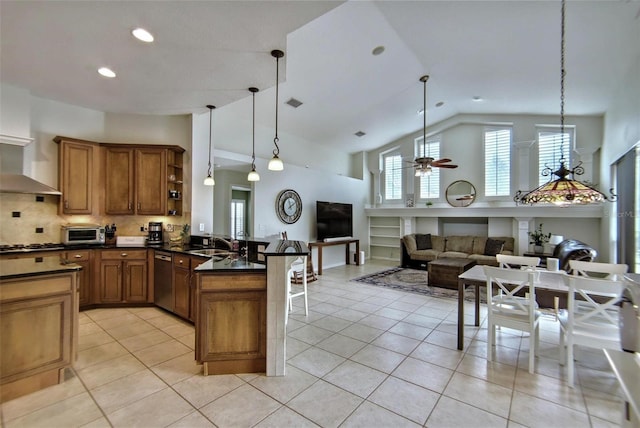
(423, 242)
(493, 247)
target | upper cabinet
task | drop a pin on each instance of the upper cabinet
(135, 180)
(77, 175)
(128, 179)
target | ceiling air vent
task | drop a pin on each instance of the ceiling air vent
(294, 103)
(360, 134)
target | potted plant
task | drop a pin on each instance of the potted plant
(538, 239)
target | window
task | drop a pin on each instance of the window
(429, 184)
(551, 146)
(497, 161)
(392, 177)
(237, 218)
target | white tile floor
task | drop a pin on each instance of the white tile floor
(364, 357)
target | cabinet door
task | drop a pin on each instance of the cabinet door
(119, 178)
(76, 167)
(182, 291)
(151, 181)
(85, 278)
(233, 325)
(195, 262)
(135, 280)
(110, 289)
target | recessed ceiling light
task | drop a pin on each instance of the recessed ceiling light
(439, 103)
(106, 72)
(477, 98)
(143, 35)
(377, 50)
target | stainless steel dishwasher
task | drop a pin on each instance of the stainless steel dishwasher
(163, 292)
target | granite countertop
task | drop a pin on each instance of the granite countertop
(231, 263)
(34, 266)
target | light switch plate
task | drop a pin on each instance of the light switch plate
(201, 227)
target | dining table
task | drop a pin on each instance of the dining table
(548, 284)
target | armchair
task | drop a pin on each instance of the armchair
(572, 249)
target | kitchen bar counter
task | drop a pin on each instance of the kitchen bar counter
(34, 266)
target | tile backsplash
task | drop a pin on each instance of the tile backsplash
(34, 219)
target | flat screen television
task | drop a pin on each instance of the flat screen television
(334, 220)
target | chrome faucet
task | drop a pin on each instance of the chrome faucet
(224, 241)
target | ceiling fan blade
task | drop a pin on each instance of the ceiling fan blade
(445, 166)
(442, 160)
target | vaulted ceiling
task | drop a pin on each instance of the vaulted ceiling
(209, 52)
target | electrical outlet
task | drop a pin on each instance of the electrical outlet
(142, 228)
(201, 227)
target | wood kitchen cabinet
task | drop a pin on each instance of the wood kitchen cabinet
(182, 285)
(78, 169)
(195, 262)
(135, 180)
(231, 325)
(85, 276)
(123, 276)
(38, 332)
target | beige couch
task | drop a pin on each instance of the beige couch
(467, 247)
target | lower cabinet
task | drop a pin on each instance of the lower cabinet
(123, 277)
(84, 259)
(231, 326)
(38, 332)
(182, 285)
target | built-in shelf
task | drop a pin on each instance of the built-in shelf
(384, 238)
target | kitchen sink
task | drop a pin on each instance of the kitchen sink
(211, 252)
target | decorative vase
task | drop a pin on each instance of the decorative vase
(538, 249)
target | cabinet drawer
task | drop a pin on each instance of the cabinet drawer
(181, 260)
(123, 254)
(78, 256)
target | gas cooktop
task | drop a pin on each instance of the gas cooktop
(21, 248)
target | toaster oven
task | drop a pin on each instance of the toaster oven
(73, 234)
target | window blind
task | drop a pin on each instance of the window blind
(393, 177)
(497, 161)
(551, 146)
(429, 184)
(237, 218)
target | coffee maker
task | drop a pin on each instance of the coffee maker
(155, 233)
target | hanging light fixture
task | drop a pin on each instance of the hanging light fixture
(275, 164)
(209, 181)
(424, 164)
(253, 174)
(563, 190)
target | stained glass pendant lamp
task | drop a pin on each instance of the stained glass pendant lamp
(565, 189)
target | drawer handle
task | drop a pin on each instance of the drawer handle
(78, 256)
(129, 206)
(139, 205)
(66, 203)
(124, 254)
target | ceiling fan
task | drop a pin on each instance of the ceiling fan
(423, 165)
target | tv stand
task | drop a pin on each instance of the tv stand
(346, 242)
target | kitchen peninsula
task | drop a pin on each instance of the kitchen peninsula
(241, 311)
(38, 323)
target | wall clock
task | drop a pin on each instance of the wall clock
(288, 206)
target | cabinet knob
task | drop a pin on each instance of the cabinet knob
(66, 203)
(139, 205)
(129, 206)
(180, 261)
(124, 254)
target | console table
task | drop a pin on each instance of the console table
(346, 242)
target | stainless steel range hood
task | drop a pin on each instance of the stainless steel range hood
(12, 178)
(19, 183)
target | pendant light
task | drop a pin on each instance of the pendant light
(563, 190)
(209, 181)
(275, 164)
(253, 174)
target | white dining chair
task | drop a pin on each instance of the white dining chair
(506, 309)
(516, 262)
(591, 318)
(298, 269)
(613, 271)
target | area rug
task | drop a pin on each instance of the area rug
(410, 280)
